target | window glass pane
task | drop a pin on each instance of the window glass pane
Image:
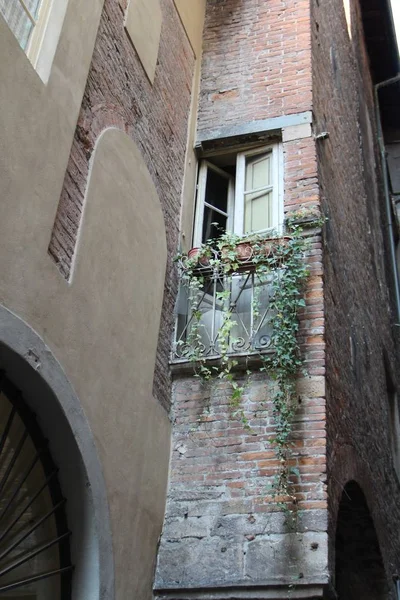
(258, 211)
(18, 20)
(209, 230)
(217, 190)
(258, 172)
(33, 7)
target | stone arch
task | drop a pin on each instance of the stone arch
(30, 365)
(359, 569)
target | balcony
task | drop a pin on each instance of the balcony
(227, 314)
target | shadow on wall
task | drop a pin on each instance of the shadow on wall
(48, 393)
(359, 567)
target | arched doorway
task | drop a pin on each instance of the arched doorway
(359, 569)
(35, 557)
(30, 367)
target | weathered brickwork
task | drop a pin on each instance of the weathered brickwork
(118, 94)
(300, 174)
(357, 282)
(222, 528)
(256, 61)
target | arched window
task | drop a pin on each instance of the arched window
(35, 553)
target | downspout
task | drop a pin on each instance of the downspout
(388, 207)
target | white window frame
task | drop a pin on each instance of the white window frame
(43, 41)
(276, 185)
(201, 200)
(39, 27)
(236, 192)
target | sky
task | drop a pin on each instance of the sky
(396, 17)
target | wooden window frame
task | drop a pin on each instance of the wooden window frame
(277, 181)
(201, 203)
(236, 192)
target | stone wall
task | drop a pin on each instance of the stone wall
(361, 351)
(222, 527)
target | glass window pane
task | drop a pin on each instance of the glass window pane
(258, 172)
(33, 7)
(258, 211)
(18, 20)
(217, 190)
(211, 230)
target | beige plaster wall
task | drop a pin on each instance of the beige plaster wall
(191, 168)
(103, 326)
(192, 14)
(143, 23)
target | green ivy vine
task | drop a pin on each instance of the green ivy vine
(286, 259)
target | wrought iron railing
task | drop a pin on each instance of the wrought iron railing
(227, 313)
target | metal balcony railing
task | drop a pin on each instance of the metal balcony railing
(228, 313)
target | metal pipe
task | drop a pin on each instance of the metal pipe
(388, 207)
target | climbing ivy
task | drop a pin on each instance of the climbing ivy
(286, 261)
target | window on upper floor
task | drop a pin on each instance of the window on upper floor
(239, 192)
(27, 19)
(37, 26)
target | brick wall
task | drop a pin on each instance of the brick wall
(221, 527)
(256, 61)
(118, 94)
(359, 323)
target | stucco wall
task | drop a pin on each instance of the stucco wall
(103, 325)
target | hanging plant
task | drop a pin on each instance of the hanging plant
(280, 259)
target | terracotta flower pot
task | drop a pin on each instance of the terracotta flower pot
(268, 245)
(244, 251)
(204, 261)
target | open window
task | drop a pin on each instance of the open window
(239, 192)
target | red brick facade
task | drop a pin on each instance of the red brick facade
(360, 331)
(256, 61)
(119, 94)
(265, 60)
(256, 65)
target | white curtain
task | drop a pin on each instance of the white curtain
(18, 19)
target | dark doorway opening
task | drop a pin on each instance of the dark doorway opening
(359, 567)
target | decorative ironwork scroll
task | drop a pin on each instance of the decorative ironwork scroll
(243, 298)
